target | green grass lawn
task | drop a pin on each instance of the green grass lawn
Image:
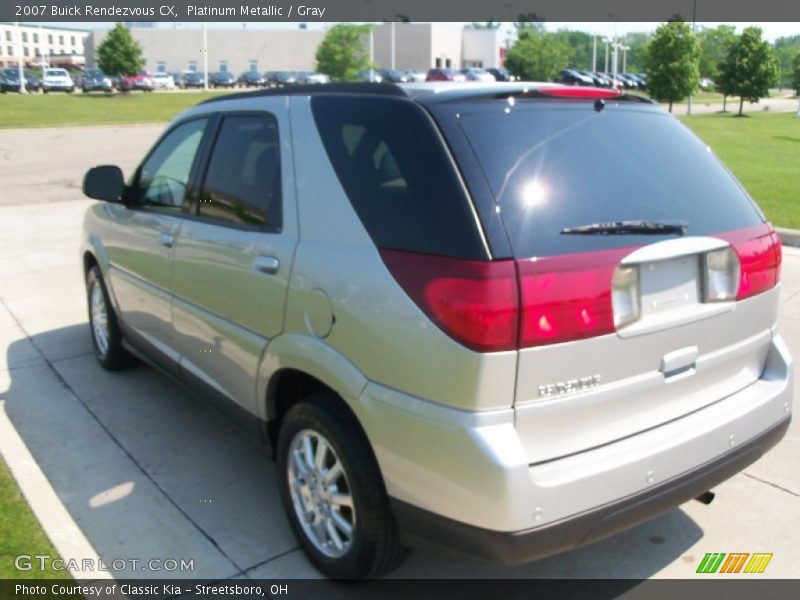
(763, 151)
(58, 109)
(20, 532)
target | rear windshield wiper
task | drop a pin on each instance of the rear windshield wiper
(627, 228)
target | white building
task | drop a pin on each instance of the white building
(418, 46)
(58, 46)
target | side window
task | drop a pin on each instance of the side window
(164, 176)
(398, 175)
(243, 182)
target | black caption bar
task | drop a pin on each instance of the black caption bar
(700, 588)
(398, 10)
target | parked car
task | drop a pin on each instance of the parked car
(222, 79)
(9, 81)
(706, 83)
(142, 82)
(163, 81)
(572, 77)
(630, 82)
(321, 265)
(57, 80)
(476, 74)
(614, 81)
(280, 78)
(393, 76)
(311, 77)
(500, 74)
(94, 80)
(444, 75)
(373, 76)
(252, 79)
(414, 76)
(192, 79)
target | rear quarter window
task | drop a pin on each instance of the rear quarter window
(397, 172)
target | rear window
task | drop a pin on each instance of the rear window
(398, 175)
(552, 166)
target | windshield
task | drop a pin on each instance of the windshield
(55, 73)
(552, 166)
(94, 73)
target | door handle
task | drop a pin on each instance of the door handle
(268, 265)
(166, 239)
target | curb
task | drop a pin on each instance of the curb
(789, 237)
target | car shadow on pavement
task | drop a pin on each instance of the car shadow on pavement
(150, 471)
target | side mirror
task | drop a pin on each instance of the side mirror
(104, 183)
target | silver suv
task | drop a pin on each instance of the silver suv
(508, 319)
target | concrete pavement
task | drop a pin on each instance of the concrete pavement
(146, 470)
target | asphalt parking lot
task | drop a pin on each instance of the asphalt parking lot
(147, 470)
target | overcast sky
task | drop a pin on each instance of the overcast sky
(771, 30)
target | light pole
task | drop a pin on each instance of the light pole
(694, 24)
(594, 52)
(393, 52)
(205, 57)
(19, 61)
(607, 42)
(624, 58)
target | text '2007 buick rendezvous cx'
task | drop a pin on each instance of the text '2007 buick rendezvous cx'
(447, 309)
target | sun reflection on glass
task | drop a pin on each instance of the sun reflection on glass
(534, 193)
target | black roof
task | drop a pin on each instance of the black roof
(424, 93)
(383, 89)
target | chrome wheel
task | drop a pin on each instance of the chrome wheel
(99, 318)
(321, 494)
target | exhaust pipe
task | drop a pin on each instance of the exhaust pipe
(706, 497)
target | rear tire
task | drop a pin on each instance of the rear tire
(333, 493)
(106, 335)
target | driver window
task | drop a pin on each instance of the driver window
(165, 175)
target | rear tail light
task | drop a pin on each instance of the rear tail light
(720, 275)
(759, 252)
(474, 302)
(625, 295)
(491, 306)
(567, 297)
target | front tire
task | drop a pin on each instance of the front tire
(333, 493)
(106, 336)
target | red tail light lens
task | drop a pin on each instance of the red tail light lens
(759, 251)
(567, 297)
(474, 302)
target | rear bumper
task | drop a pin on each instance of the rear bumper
(582, 529)
(462, 479)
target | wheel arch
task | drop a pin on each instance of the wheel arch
(297, 366)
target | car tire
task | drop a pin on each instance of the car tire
(373, 546)
(103, 325)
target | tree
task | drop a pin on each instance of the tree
(537, 56)
(786, 48)
(119, 53)
(579, 45)
(341, 55)
(671, 63)
(796, 74)
(750, 68)
(490, 24)
(637, 43)
(714, 45)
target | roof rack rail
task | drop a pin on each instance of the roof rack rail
(383, 89)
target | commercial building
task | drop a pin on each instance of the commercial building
(56, 46)
(418, 46)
